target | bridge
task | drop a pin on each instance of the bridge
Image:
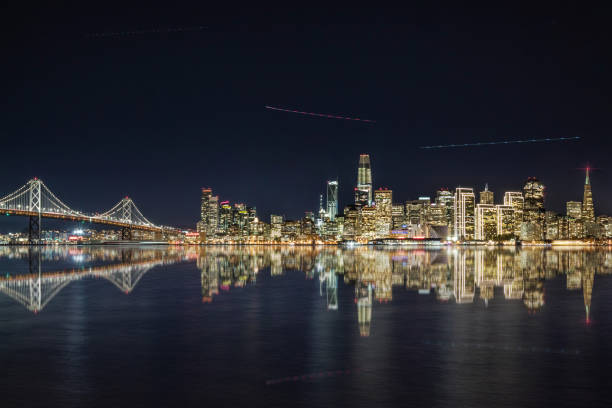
(37, 201)
(36, 289)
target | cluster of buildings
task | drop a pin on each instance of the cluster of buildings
(78, 236)
(459, 215)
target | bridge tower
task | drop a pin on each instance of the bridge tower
(126, 216)
(35, 207)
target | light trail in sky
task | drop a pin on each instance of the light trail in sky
(322, 115)
(141, 32)
(502, 142)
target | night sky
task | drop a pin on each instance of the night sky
(158, 115)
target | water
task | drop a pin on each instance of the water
(261, 326)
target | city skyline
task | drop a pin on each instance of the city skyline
(167, 119)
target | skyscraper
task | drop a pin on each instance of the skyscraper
(588, 212)
(533, 192)
(447, 199)
(384, 209)
(464, 213)
(516, 200)
(364, 176)
(505, 220)
(534, 214)
(486, 222)
(332, 199)
(486, 196)
(209, 213)
(361, 198)
(574, 209)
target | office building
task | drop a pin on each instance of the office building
(364, 176)
(588, 211)
(383, 199)
(574, 209)
(486, 196)
(464, 209)
(505, 221)
(332, 199)
(486, 222)
(516, 200)
(361, 197)
(397, 216)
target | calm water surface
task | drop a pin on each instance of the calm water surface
(223, 326)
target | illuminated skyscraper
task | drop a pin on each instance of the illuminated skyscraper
(361, 197)
(384, 206)
(206, 195)
(505, 220)
(588, 212)
(209, 213)
(533, 208)
(225, 217)
(516, 200)
(533, 227)
(447, 199)
(332, 199)
(364, 176)
(276, 225)
(397, 216)
(486, 222)
(464, 213)
(574, 209)
(367, 223)
(486, 196)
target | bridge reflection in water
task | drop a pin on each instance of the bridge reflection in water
(123, 267)
(451, 275)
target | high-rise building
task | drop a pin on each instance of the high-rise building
(364, 176)
(384, 205)
(505, 220)
(447, 199)
(552, 225)
(206, 195)
(361, 197)
(276, 226)
(533, 208)
(486, 196)
(574, 209)
(464, 213)
(415, 212)
(397, 216)
(225, 218)
(351, 215)
(209, 213)
(332, 199)
(322, 212)
(486, 222)
(516, 200)
(588, 212)
(366, 223)
(533, 211)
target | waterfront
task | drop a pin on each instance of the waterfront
(292, 326)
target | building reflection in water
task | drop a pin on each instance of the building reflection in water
(455, 275)
(459, 275)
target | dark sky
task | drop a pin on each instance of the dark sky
(158, 115)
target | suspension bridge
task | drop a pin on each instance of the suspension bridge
(36, 201)
(34, 290)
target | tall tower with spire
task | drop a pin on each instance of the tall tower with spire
(588, 212)
(364, 176)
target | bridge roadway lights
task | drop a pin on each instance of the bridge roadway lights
(34, 230)
(126, 233)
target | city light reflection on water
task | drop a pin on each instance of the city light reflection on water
(309, 312)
